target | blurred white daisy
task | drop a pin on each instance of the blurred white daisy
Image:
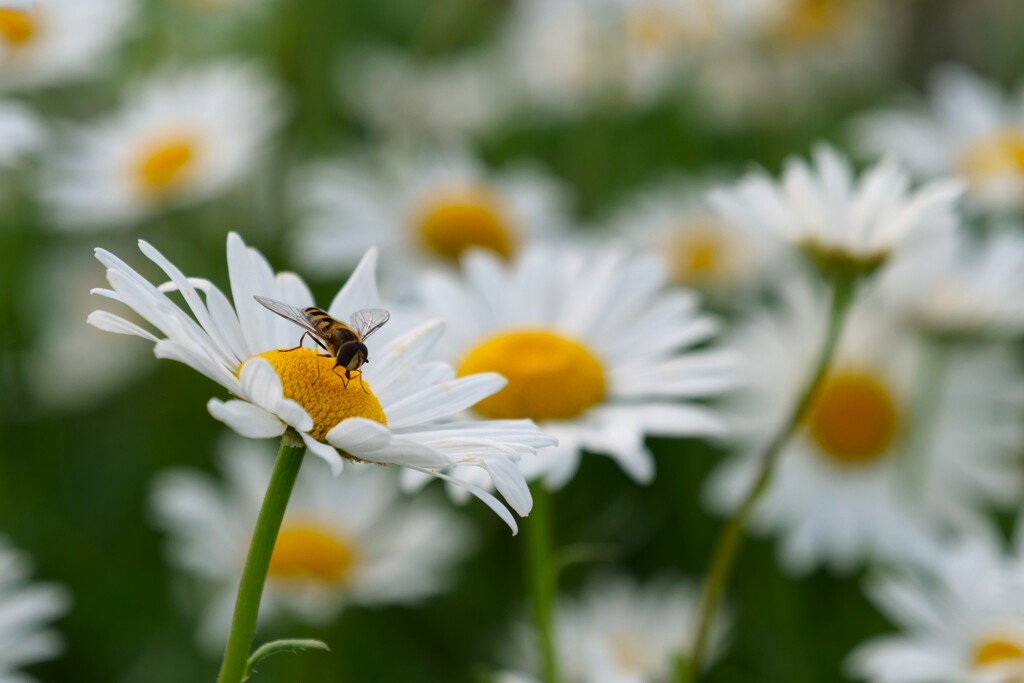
(619, 631)
(392, 413)
(346, 541)
(961, 619)
(21, 133)
(838, 220)
(401, 97)
(958, 286)
(594, 348)
(969, 127)
(180, 138)
(49, 41)
(869, 475)
(775, 60)
(26, 608)
(567, 56)
(421, 208)
(720, 259)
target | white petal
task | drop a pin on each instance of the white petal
(359, 435)
(108, 322)
(360, 291)
(510, 483)
(245, 418)
(324, 451)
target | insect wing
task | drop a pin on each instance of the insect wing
(368, 321)
(295, 315)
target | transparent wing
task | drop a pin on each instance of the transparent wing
(295, 315)
(368, 321)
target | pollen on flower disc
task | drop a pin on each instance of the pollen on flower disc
(550, 377)
(456, 219)
(997, 650)
(311, 380)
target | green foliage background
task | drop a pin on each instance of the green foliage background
(73, 487)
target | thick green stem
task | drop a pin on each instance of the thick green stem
(728, 544)
(254, 574)
(542, 574)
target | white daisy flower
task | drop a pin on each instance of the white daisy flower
(26, 608)
(401, 97)
(49, 41)
(869, 475)
(961, 286)
(777, 59)
(570, 55)
(699, 249)
(181, 138)
(969, 127)
(391, 412)
(347, 541)
(619, 631)
(593, 346)
(837, 219)
(21, 133)
(961, 619)
(424, 208)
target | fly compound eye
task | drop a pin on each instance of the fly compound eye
(352, 354)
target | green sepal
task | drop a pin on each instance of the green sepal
(277, 646)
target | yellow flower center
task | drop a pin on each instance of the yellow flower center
(992, 156)
(997, 650)
(699, 253)
(853, 418)
(311, 381)
(162, 167)
(662, 29)
(311, 551)
(812, 20)
(17, 28)
(457, 219)
(549, 376)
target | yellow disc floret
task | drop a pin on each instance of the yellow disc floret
(701, 253)
(456, 219)
(312, 381)
(17, 28)
(997, 650)
(853, 418)
(311, 551)
(810, 21)
(550, 377)
(163, 166)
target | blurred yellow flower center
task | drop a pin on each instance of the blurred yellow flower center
(311, 381)
(633, 653)
(992, 156)
(853, 418)
(16, 27)
(163, 166)
(311, 551)
(550, 377)
(698, 253)
(661, 29)
(997, 650)
(457, 219)
(808, 21)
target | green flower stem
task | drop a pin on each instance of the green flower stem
(543, 577)
(728, 544)
(254, 575)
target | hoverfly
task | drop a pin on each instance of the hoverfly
(344, 343)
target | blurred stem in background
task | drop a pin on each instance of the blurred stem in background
(728, 543)
(543, 577)
(261, 548)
